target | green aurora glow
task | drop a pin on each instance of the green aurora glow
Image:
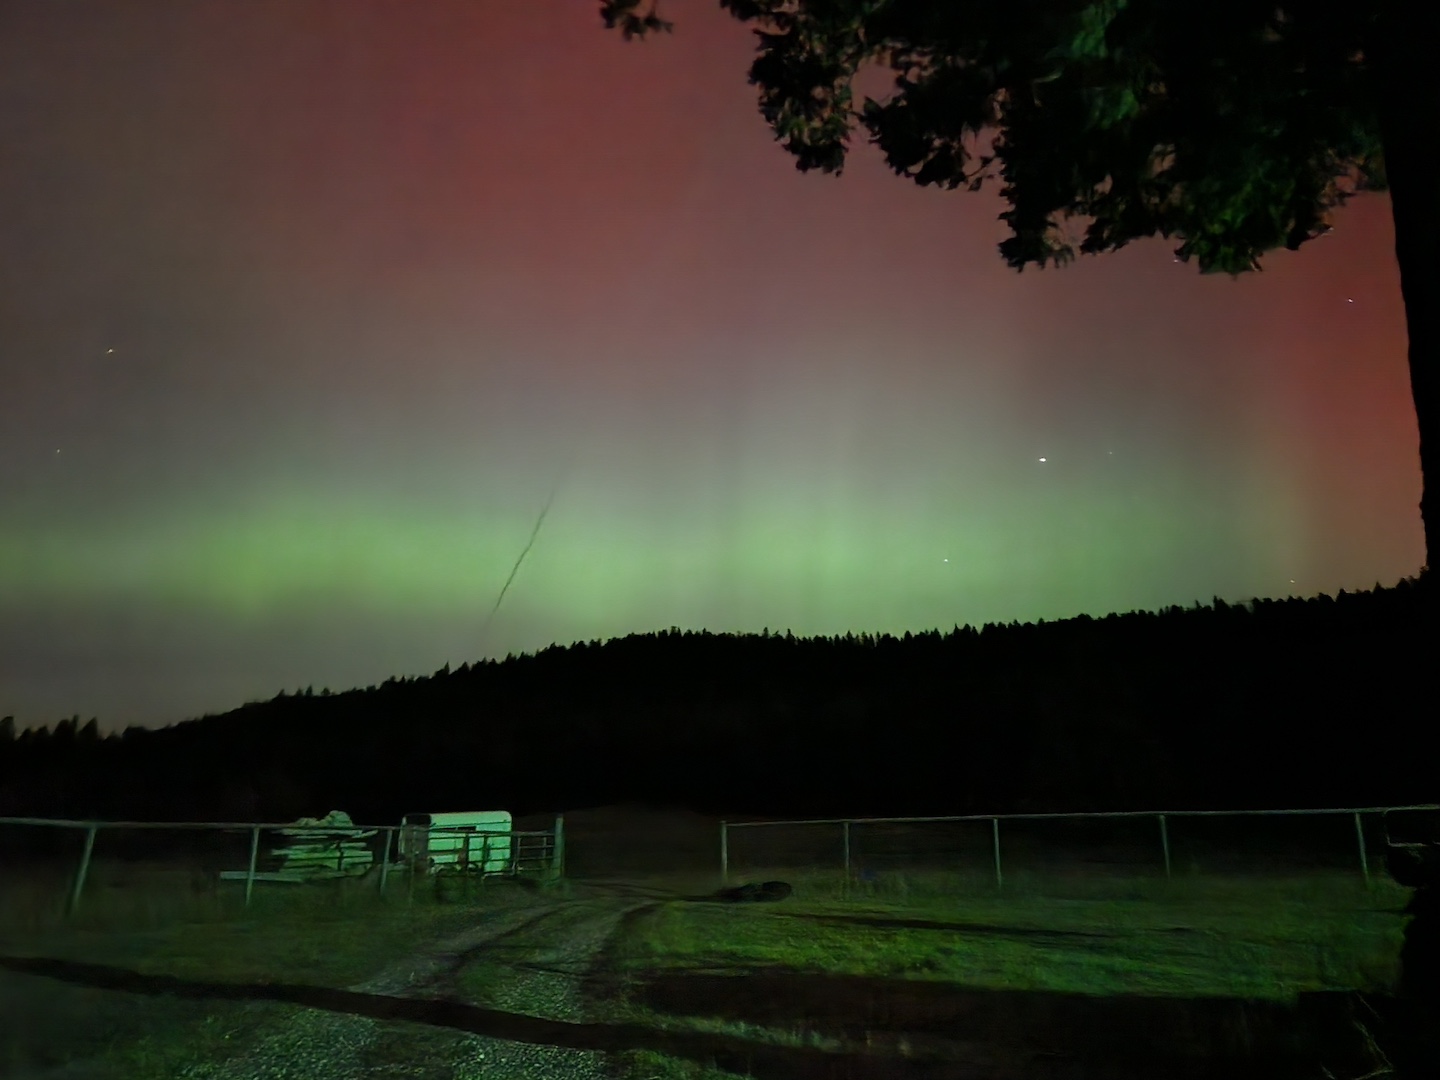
(299, 331)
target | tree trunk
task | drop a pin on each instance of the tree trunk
(1409, 111)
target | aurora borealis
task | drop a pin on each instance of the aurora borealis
(307, 306)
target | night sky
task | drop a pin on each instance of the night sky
(307, 307)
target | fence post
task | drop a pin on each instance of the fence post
(724, 853)
(995, 831)
(414, 865)
(84, 868)
(1360, 839)
(385, 859)
(1165, 845)
(254, 853)
(846, 886)
(558, 857)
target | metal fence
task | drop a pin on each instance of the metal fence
(1133, 842)
(249, 853)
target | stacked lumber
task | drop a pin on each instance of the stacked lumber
(324, 848)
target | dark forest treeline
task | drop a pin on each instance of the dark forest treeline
(1276, 703)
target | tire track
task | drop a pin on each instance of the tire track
(545, 955)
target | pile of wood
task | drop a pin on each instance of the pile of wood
(324, 848)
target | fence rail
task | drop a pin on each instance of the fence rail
(1161, 817)
(524, 849)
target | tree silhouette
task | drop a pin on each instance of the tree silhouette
(1183, 708)
(1234, 126)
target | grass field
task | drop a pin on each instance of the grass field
(919, 978)
(940, 976)
(152, 922)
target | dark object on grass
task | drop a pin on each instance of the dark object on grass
(766, 890)
(1412, 856)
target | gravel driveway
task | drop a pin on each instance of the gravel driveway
(546, 951)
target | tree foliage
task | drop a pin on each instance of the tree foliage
(1234, 126)
(1230, 705)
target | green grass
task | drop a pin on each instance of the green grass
(313, 943)
(1256, 940)
(324, 935)
(1259, 949)
(481, 982)
(649, 1065)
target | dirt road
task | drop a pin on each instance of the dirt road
(411, 1020)
(542, 956)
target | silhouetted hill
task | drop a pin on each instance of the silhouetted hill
(1275, 703)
